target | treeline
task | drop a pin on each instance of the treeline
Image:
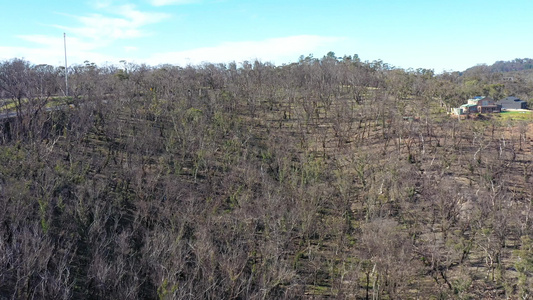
(515, 65)
(329, 177)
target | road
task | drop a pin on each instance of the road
(12, 114)
(7, 115)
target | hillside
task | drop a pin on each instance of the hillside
(520, 69)
(325, 178)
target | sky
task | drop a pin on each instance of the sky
(450, 35)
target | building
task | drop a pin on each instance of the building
(480, 104)
(485, 104)
(468, 109)
(512, 103)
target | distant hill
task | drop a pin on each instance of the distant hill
(518, 64)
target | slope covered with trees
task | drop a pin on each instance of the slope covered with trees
(519, 64)
(323, 178)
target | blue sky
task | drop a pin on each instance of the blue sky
(441, 35)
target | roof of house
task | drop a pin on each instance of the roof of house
(477, 98)
(511, 99)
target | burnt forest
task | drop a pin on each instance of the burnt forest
(329, 177)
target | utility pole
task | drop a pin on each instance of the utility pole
(66, 71)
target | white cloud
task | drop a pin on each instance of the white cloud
(130, 48)
(50, 50)
(171, 2)
(34, 55)
(99, 4)
(120, 22)
(57, 42)
(277, 50)
(94, 35)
